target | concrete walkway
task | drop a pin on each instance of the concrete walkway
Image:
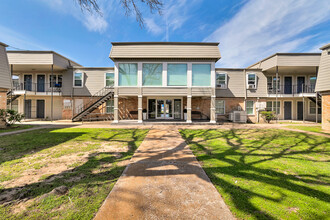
(164, 181)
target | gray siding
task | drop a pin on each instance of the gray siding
(161, 91)
(93, 81)
(298, 60)
(235, 84)
(323, 78)
(30, 58)
(261, 90)
(5, 78)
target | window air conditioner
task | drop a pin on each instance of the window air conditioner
(222, 86)
(252, 86)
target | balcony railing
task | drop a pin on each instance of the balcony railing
(37, 87)
(292, 89)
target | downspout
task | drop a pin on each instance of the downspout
(276, 88)
(11, 86)
(52, 98)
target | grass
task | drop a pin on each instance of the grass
(15, 128)
(268, 173)
(317, 129)
(87, 161)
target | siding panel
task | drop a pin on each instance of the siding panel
(323, 78)
(5, 79)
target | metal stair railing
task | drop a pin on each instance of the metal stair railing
(98, 96)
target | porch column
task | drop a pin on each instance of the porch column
(189, 109)
(212, 110)
(140, 109)
(115, 109)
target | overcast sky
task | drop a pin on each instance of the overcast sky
(248, 31)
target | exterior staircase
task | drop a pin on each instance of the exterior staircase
(319, 100)
(11, 98)
(95, 101)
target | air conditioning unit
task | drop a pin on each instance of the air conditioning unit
(238, 116)
(252, 87)
(221, 86)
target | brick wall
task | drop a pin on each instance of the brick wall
(3, 103)
(128, 108)
(326, 112)
(202, 105)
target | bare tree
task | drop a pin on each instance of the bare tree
(130, 6)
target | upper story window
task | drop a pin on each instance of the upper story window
(127, 74)
(251, 81)
(55, 80)
(221, 80)
(152, 74)
(201, 74)
(312, 81)
(177, 74)
(109, 79)
(78, 79)
(271, 84)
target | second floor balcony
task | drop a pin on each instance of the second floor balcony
(37, 88)
(291, 90)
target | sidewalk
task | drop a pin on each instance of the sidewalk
(164, 181)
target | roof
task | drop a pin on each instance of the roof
(165, 50)
(45, 52)
(2, 44)
(325, 47)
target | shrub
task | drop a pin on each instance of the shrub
(9, 116)
(268, 116)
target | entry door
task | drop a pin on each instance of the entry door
(288, 85)
(287, 110)
(177, 109)
(28, 82)
(164, 109)
(160, 109)
(300, 83)
(40, 108)
(27, 108)
(152, 109)
(300, 110)
(40, 83)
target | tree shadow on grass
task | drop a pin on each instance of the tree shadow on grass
(235, 164)
(101, 168)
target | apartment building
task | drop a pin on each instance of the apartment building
(5, 78)
(164, 81)
(323, 85)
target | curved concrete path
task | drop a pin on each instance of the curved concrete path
(164, 181)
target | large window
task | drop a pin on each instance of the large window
(177, 74)
(251, 81)
(78, 79)
(220, 107)
(312, 81)
(249, 107)
(201, 74)
(127, 74)
(109, 106)
(109, 79)
(221, 80)
(271, 106)
(312, 108)
(152, 74)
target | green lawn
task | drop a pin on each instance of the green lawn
(87, 161)
(268, 173)
(317, 129)
(15, 128)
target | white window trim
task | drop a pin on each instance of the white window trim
(226, 80)
(105, 78)
(224, 107)
(82, 80)
(253, 113)
(255, 80)
(316, 108)
(274, 108)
